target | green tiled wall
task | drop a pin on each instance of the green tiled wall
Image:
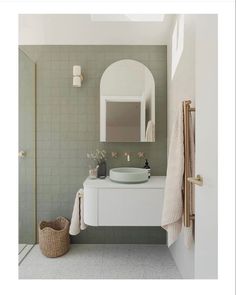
(68, 128)
(26, 143)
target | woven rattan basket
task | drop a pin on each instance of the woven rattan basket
(54, 237)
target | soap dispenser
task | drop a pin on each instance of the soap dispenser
(146, 166)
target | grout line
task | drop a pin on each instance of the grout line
(22, 249)
(32, 246)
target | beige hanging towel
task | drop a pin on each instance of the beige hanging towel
(77, 219)
(173, 203)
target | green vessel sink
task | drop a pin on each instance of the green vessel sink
(129, 175)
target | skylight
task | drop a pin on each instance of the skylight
(127, 17)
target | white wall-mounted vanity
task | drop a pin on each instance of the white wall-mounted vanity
(108, 203)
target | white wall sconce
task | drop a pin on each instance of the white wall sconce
(77, 76)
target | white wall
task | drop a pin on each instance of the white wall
(79, 29)
(183, 83)
(181, 86)
(206, 229)
(196, 78)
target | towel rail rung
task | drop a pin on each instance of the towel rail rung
(187, 186)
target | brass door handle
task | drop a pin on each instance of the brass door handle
(198, 180)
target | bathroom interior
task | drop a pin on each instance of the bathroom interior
(116, 145)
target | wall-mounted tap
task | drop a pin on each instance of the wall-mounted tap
(114, 155)
(140, 155)
(127, 155)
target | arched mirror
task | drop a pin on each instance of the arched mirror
(127, 103)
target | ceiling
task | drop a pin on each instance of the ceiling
(95, 29)
(128, 17)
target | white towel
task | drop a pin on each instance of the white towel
(150, 132)
(77, 219)
(173, 201)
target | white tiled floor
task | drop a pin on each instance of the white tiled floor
(102, 262)
(21, 247)
(23, 250)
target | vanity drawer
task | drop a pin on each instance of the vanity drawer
(130, 207)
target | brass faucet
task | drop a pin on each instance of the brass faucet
(127, 155)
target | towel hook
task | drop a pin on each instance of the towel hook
(198, 180)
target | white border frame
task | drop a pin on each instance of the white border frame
(226, 129)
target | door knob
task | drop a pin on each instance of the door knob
(21, 154)
(198, 180)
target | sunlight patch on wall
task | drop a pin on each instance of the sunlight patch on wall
(127, 17)
(177, 44)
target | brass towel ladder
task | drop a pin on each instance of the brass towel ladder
(187, 183)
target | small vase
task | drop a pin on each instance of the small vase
(102, 170)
